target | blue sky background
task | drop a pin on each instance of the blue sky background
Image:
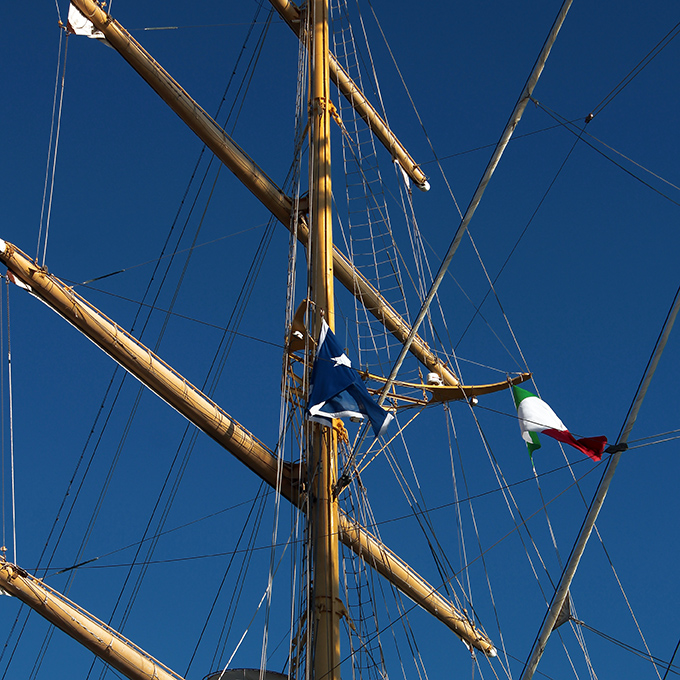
(594, 228)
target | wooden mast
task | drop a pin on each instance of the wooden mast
(325, 600)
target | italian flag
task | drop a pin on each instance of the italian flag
(536, 416)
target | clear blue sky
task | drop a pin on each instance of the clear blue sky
(594, 228)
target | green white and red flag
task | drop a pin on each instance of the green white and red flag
(535, 416)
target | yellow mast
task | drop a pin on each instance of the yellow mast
(323, 527)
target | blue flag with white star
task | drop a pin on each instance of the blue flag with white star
(337, 390)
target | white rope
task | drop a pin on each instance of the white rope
(56, 4)
(54, 155)
(259, 606)
(49, 146)
(462, 547)
(11, 432)
(3, 547)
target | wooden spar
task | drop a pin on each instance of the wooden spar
(217, 424)
(171, 92)
(452, 393)
(151, 371)
(102, 640)
(292, 15)
(254, 178)
(158, 376)
(322, 469)
(377, 555)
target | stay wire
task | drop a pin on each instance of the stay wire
(219, 359)
(450, 426)
(462, 548)
(155, 308)
(512, 251)
(515, 137)
(637, 69)
(140, 391)
(237, 592)
(415, 110)
(659, 441)
(225, 349)
(11, 426)
(257, 609)
(367, 518)
(670, 663)
(450, 190)
(614, 571)
(423, 517)
(373, 525)
(261, 495)
(155, 260)
(511, 503)
(625, 598)
(568, 126)
(180, 209)
(215, 369)
(633, 650)
(141, 305)
(48, 636)
(3, 547)
(639, 165)
(49, 145)
(54, 155)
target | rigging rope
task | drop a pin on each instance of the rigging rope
(11, 428)
(368, 237)
(492, 288)
(3, 546)
(415, 109)
(50, 174)
(637, 69)
(569, 126)
(246, 559)
(644, 655)
(450, 427)
(490, 146)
